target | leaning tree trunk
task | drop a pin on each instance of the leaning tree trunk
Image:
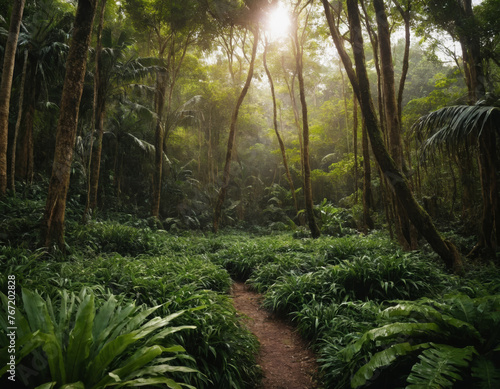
(6, 86)
(232, 135)
(53, 223)
(315, 232)
(398, 182)
(280, 141)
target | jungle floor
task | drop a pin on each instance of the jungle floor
(286, 360)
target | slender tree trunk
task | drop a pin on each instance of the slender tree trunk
(25, 149)
(315, 232)
(53, 224)
(405, 13)
(367, 181)
(99, 106)
(275, 124)
(232, 135)
(18, 124)
(159, 140)
(398, 182)
(6, 86)
(355, 144)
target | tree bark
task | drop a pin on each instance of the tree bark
(99, 109)
(398, 182)
(53, 223)
(315, 232)
(18, 124)
(232, 135)
(275, 124)
(393, 123)
(6, 86)
(367, 182)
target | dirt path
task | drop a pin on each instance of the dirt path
(286, 361)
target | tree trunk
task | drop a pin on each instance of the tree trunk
(355, 144)
(315, 232)
(398, 182)
(53, 224)
(99, 108)
(6, 86)
(159, 140)
(275, 124)
(18, 124)
(367, 182)
(391, 111)
(25, 149)
(232, 135)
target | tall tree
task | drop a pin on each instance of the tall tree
(97, 121)
(232, 133)
(398, 182)
(53, 223)
(276, 130)
(299, 48)
(6, 86)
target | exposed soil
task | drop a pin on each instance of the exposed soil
(285, 358)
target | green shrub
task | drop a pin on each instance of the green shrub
(397, 276)
(77, 345)
(453, 343)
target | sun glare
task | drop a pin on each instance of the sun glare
(278, 22)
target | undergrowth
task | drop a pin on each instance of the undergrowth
(376, 316)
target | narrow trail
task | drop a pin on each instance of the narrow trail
(286, 361)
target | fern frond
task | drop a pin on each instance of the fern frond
(382, 359)
(439, 366)
(486, 373)
(387, 333)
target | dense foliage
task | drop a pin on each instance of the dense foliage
(194, 116)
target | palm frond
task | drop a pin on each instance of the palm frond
(456, 126)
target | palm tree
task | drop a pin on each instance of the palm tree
(5, 87)
(471, 127)
(44, 37)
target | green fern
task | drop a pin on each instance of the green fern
(382, 359)
(440, 366)
(485, 372)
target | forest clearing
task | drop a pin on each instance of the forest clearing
(245, 194)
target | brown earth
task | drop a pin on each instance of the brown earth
(285, 358)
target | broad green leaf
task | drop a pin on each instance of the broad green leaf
(162, 334)
(129, 367)
(103, 317)
(37, 313)
(80, 339)
(382, 359)
(389, 331)
(53, 349)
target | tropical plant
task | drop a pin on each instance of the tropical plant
(75, 345)
(427, 343)
(466, 127)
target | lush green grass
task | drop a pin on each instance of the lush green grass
(335, 289)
